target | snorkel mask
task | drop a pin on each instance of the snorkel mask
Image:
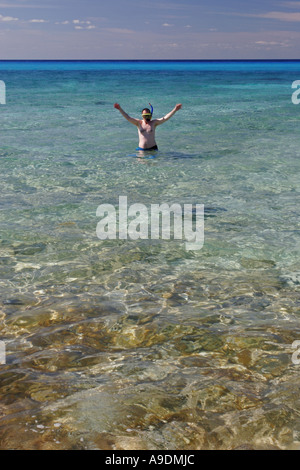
(147, 115)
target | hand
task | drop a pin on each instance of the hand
(117, 106)
(178, 106)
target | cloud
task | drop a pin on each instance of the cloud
(78, 24)
(273, 43)
(167, 25)
(119, 30)
(280, 15)
(114, 43)
(273, 15)
(81, 22)
(85, 24)
(8, 18)
(88, 27)
(38, 21)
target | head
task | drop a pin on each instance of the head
(146, 114)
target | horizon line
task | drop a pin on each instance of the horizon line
(149, 60)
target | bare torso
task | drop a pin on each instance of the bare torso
(146, 132)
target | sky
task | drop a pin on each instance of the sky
(166, 29)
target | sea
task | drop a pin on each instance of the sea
(138, 343)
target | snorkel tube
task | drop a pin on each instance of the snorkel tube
(151, 108)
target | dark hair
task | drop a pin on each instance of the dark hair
(147, 110)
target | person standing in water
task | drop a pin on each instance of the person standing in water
(146, 126)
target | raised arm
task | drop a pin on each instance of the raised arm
(168, 116)
(130, 119)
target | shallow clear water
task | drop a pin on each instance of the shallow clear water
(123, 344)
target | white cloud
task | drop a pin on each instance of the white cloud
(273, 43)
(8, 18)
(119, 30)
(38, 21)
(85, 24)
(167, 25)
(81, 22)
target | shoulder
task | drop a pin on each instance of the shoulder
(134, 121)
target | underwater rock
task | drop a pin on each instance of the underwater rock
(12, 302)
(292, 279)
(24, 249)
(250, 263)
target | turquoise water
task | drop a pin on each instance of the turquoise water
(123, 344)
